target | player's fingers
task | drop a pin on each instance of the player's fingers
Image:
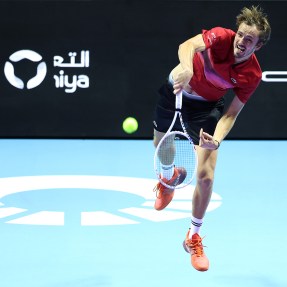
(177, 85)
(201, 138)
(203, 135)
(177, 88)
(207, 136)
(200, 132)
(176, 91)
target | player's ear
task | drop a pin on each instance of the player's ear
(258, 46)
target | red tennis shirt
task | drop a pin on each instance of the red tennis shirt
(215, 71)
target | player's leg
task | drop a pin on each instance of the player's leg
(201, 198)
(206, 116)
(167, 152)
(169, 173)
(157, 136)
(163, 118)
(205, 177)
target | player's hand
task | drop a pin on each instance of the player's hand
(207, 141)
(182, 80)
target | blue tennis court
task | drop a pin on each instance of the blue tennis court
(79, 213)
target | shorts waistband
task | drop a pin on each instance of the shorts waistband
(192, 96)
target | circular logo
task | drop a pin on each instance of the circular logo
(15, 81)
(57, 200)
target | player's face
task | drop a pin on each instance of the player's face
(245, 42)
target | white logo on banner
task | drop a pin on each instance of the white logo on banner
(128, 212)
(274, 76)
(29, 55)
(70, 83)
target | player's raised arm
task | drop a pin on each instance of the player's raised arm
(186, 53)
(187, 50)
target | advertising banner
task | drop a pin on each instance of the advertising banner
(73, 69)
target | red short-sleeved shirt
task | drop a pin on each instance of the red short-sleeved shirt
(215, 71)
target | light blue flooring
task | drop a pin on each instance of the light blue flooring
(78, 213)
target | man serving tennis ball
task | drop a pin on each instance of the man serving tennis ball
(210, 64)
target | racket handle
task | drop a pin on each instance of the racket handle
(178, 101)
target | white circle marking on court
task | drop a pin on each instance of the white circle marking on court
(179, 208)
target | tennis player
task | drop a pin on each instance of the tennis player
(210, 64)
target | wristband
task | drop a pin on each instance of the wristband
(218, 143)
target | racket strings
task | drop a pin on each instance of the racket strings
(176, 149)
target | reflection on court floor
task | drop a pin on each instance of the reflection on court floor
(80, 213)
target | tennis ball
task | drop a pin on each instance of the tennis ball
(130, 125)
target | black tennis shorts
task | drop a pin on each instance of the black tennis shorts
(196, 114)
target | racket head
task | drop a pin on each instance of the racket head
(178, 148)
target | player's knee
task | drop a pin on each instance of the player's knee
(157, 136)
(205, 180)
(155, 141)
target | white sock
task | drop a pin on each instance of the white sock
(195, 226)
(167, 171)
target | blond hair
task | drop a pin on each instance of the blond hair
(255, 16)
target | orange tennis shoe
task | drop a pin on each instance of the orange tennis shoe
(164, 195)
(194, 246)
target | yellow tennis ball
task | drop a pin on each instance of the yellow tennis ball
(130, 125)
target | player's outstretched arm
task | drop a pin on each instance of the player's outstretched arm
(223, 127)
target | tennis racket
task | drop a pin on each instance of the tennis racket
(176, 147)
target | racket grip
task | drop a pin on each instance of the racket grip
(178, 101)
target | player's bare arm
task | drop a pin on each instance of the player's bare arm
(184, 71)
(223, 127)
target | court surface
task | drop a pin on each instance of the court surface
(78, 213)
